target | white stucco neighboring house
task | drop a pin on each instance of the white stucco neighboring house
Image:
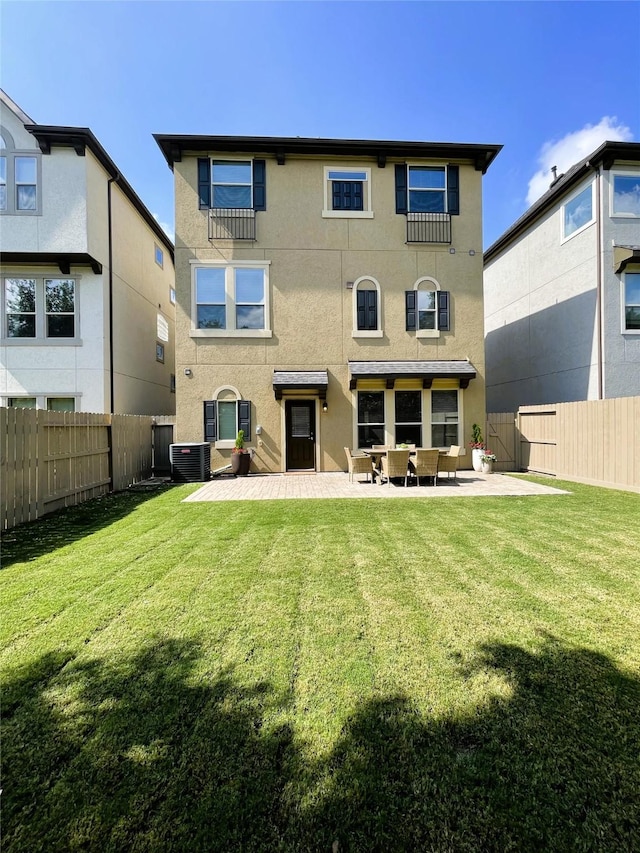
(87, 313)
(562, 289)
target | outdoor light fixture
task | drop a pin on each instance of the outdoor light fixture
(187, 371)
(324, 406)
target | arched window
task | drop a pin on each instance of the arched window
(427, 308)
(225, 415)
(367, 308)
(19, 178)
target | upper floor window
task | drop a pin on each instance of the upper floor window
(366, 308)
(427, 189)
(158, 255)
(347, 192)
(40, 308)
(577, 213)
(427, 309)
(625, 194)
(231, 299)
(232, 184)
(631, 302)
(19, 178)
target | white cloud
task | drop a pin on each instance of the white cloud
(168, 229)
(572, 148)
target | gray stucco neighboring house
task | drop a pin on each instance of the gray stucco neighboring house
(562, 289)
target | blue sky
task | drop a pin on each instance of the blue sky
(548, 80)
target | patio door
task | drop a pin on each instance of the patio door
(300, 416)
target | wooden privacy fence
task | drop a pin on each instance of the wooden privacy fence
(50, 460)
(593, 441)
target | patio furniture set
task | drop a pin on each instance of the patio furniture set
(402, 463)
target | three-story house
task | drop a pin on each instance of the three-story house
(329, 294)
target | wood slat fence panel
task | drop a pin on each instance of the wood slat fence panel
(50, 460)
(594, 441)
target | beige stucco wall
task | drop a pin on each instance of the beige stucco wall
(311, 260)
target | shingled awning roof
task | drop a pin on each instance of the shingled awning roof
(302, 380)
(427, 371)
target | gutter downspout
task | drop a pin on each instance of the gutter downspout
(599, 226)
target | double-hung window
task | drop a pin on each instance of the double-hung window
(347, 193)
(231, 299)
(577, 212)
(408, 426)
(625, 194)
(444, 418)
(631, 285)
(427, 188)
(231, 184)
(371, 429)
(40, 308)
(19, 178)
(427, 309)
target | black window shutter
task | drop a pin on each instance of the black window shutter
(210, 420)
(401, 188)
(362, 309)
(443, 310)
(372, 309)
(244, 418)
(259, 185)
(204, 182)
(410, 301)
(453, 189)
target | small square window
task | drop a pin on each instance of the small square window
(160, 352)
(347, 192)
(626, 195)
(577, 213)
(159, 256)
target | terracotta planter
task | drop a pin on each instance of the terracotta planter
(240, 463)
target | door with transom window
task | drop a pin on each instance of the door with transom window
(300, 416)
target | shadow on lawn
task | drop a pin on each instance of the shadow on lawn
(35, 538)
(148, 754)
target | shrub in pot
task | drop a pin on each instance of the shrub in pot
(477, 447)
(240, 457)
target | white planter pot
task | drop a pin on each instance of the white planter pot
(476, 460)
(487, 467)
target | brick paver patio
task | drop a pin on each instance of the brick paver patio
(266, 487)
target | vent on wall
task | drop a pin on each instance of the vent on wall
(190, 463)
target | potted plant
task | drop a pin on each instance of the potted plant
(240, 457)
(477, 447)
(487, 458)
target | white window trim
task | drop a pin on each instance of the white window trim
(625, 173)
(158, 249)
(566, 237)
(623, 305)
(366, 333)
(226, 443)
(11, 152)
(40, 340)
(195, 332)
(329, 213)
(427, 333)
(445, 191)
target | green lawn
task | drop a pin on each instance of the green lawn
(459, 674)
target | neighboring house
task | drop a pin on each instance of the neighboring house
(329, 295)
(88, 302)
(562, 289)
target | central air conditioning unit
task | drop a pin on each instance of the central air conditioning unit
(190, 463)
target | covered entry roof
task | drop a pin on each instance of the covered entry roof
(303, 380)
(427, 371)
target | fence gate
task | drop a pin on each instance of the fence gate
(162, 439)
(500, 435)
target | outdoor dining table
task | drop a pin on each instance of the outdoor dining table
(376, 455)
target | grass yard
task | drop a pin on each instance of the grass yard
(460, 674)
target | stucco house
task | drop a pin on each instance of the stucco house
(329, 294)
(88, 301)
(562, 289)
